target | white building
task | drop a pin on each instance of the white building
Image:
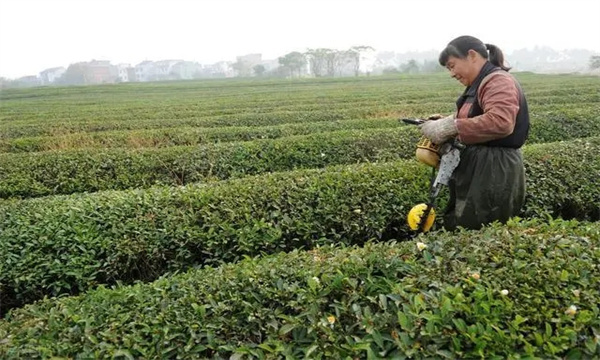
(49, 76)
(219, 69)
(123, 73)
(186, 70)
(164, 69)
(145, 71)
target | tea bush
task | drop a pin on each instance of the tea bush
(524, 290)
(65, 245)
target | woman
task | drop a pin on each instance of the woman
(492, 119)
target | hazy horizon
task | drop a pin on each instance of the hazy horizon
(36, 35)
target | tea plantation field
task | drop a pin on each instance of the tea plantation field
(236, 219)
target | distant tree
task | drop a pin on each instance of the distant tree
(293, 62)
(320, 61)
(355, 53)
(240, 68)
(345, 62)
(595, 62)
(9, 83)
(332, 59)
(259, 69)
(327, 62)
(76, 74)
(431, 66)
(410, 67)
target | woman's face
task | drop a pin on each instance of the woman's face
(463, 70)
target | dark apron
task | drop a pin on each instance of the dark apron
(487, 185)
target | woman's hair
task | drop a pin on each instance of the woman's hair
(460, 47)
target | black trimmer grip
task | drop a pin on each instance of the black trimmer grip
(412, 121)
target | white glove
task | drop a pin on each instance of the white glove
(439, 131)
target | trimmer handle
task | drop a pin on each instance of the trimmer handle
(457, 144)
(412, 121)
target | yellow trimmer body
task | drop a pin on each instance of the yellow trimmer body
(416, 214)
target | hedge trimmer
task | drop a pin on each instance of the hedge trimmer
(444, 158)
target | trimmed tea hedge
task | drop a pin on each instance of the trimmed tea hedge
(565, 124)
(525, 290)
(90, 170)
(181, 136)
(547, 126)
(39, 174)
(66, 245)
(153, 120)
(563, 179)
(56, 111)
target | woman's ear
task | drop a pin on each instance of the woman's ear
(472, 55)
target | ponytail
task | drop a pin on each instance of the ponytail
(496, 56)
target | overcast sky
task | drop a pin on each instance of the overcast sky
(39, 34)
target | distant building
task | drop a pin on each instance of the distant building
(123, 72)
(145, 71)
(164, 69)
(100, 72)
(220, 69)
(131, 76)
(49, 76)
(245, 64)
(186, 70)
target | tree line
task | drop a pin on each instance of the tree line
(324, 62)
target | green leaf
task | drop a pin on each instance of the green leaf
(445, 354)
(383, 301)
(518, 321)
(404, 322)
(123, 353)
(446, 306)
(237, 356)
(427, 255)
(574, 354)
(539, 340)
(286, 329)
(548, 330)
(310, 350)
(564, 275)
(460, 325)
(592, 345)
(266, 347)
(378, 339)
(419, 302)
